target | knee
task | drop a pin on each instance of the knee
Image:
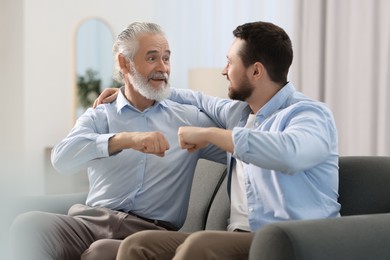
(26, 235)
(151, 244)
(194, 246)
(106, 249)
(136, 246)
(198, 239)
(140, 239)
(27, 223)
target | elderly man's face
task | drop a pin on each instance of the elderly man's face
(152, 60)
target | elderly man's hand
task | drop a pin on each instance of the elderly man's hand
(146, 142)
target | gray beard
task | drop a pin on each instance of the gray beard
(143, 87)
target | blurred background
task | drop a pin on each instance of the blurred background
(55, 57)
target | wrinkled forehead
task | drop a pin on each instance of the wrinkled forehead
(156, 43)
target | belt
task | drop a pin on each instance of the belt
(240, 230)
(160, 223)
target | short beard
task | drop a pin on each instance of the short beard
(143, 87)
(243, 92)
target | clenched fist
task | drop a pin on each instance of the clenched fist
(192, 138)
(146, 142)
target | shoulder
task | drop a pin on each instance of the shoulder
(311, 105)
(189, 114)
(100, 111)
(299, 101)
(308, 112)
(176, 107)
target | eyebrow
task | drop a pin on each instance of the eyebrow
(155, 51)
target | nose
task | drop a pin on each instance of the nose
(224, 71)
(163, 66)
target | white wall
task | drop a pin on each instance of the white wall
(11, 87)
(37, 63)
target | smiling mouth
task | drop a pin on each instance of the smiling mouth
(158, 77)
(161, 80)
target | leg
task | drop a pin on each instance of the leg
(215, 245)
(44, 236)
(104, 249)
(110, 227)
(151, 245)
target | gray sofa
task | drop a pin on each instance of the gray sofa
(363, 231)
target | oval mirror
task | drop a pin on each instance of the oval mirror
(94, 63)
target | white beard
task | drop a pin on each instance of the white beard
(141, 85)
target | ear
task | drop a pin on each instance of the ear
(123, 64)
(258, 70)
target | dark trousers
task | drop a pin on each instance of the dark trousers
(85, 233)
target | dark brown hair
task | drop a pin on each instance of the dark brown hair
(269, 44)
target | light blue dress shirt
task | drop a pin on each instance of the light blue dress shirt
(145, 184)
(290, 156)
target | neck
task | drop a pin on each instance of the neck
(136, 99)
(261, 95)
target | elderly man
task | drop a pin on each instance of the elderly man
(139, 177)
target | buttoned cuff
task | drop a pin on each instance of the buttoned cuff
(102, 145)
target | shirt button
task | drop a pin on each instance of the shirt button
(251, 209)
(142, 161)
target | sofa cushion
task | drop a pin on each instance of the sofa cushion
(219, 213)
(207, 176)
(364, 185)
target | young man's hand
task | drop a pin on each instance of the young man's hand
(107, 96)
(193, 138)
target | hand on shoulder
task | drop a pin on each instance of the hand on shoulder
(108, 95)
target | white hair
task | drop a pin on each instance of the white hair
(127, 43)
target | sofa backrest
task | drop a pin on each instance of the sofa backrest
(364, 185)
(219, 213)
(364, 188)
(208, 179)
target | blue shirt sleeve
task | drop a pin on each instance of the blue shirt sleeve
(88, 140)
(298, 142)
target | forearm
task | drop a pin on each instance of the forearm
(219, 137)
(116, 144)
(146, 142)
(216, 108)
(122, 141)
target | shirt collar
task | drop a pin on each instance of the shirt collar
(276, 102)
(122, 102)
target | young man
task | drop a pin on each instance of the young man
(136, 168)
(282, 151)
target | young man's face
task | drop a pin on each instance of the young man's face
(151, 64)
(240, 87)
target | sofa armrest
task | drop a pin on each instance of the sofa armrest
(351, 237)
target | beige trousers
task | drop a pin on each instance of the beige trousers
(164, 245)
